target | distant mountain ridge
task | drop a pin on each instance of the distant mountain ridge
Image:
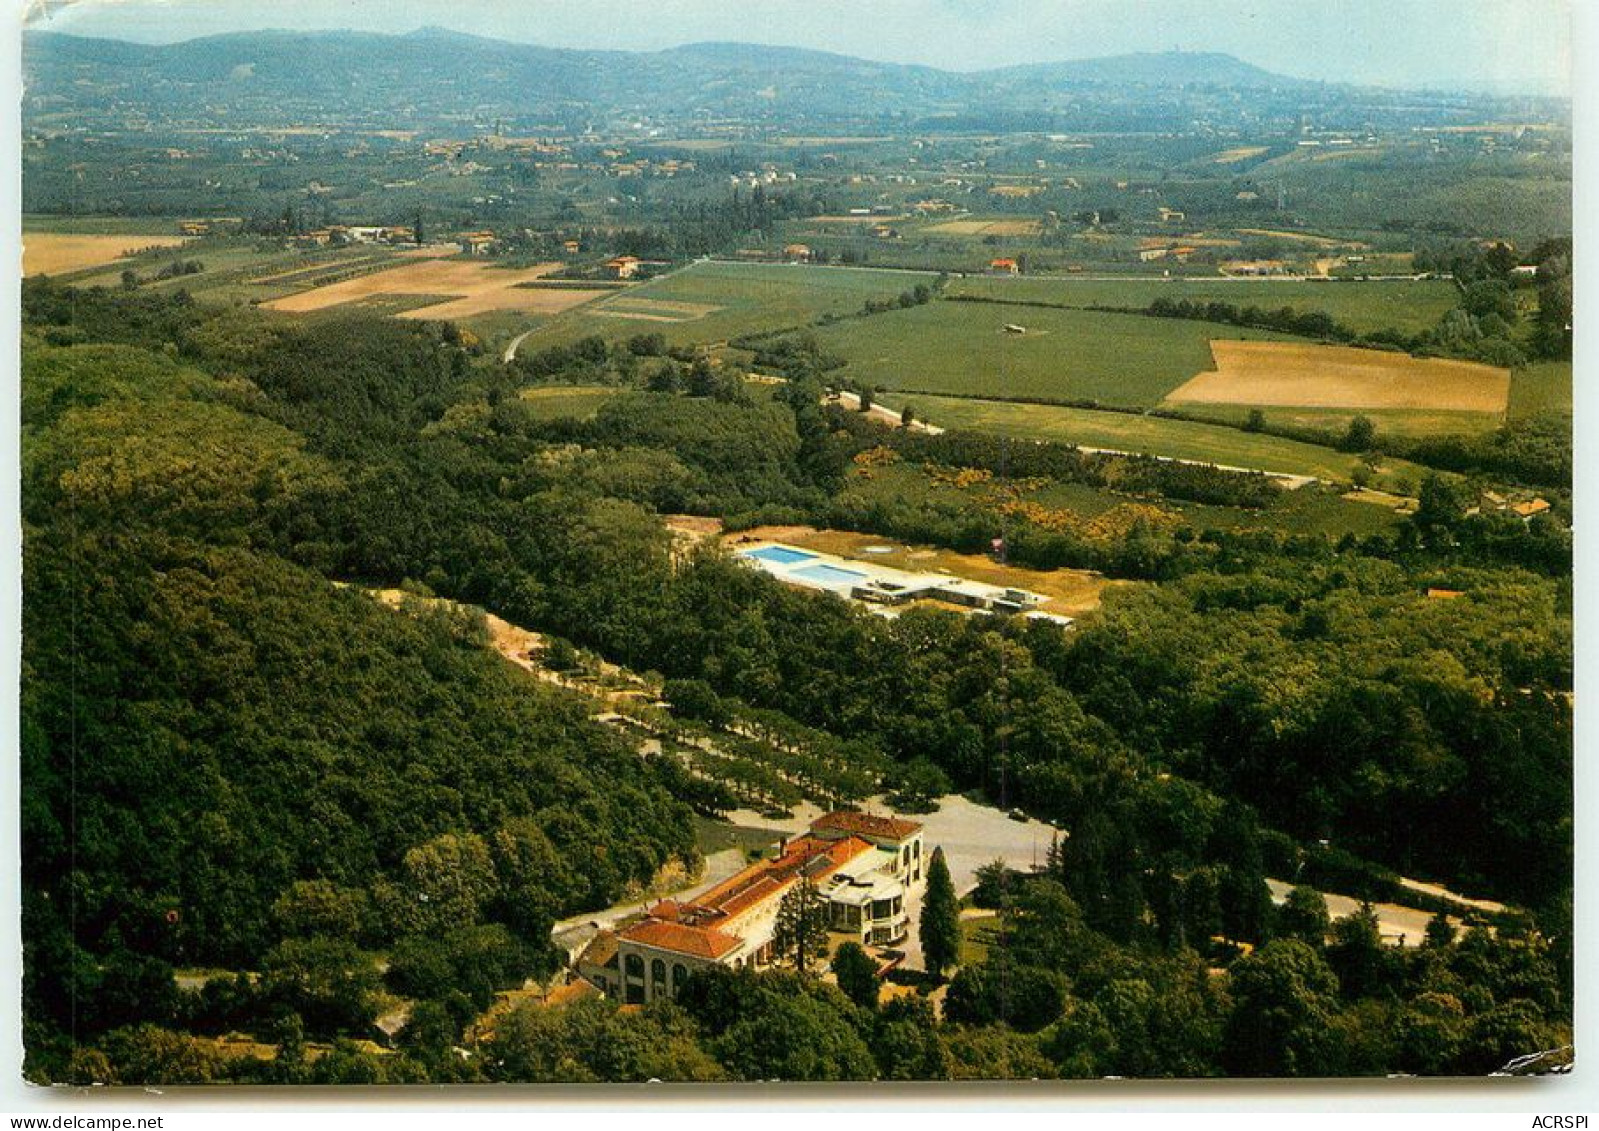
(1164, 68)
(441, 73)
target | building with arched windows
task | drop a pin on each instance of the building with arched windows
(862, 866)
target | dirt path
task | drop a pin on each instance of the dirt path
(510, 350)
(1288, 482)
(1400, 926)
(886, 415)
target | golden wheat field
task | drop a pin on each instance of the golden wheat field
(474, 288)
(1302, 375)
(984, 228)
(56, 253)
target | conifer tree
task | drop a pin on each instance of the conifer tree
(941, 928)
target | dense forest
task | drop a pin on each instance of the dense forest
(235, 760)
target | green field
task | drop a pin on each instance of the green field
(101, 225)
(231, 267)
(962, 348)
(743, 297)
(1312, 509)
(1544, 386)
(551, 402)
(1405, 422)
(1362, 306)
(1152, 435)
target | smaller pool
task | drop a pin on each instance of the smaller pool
(824, 574)
(781, 555)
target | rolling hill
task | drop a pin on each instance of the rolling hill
(433, 75)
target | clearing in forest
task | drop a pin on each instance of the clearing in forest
(1299, 374)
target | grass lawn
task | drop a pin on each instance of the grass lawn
(714, 301)
(1363, 306)
(1065, 355)
(1544, 386)
(717, 836)
(551, 402)
(1152, 435)
(977, 936)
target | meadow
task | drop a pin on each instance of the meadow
(963, 348)
(553, 402)
(1411, 306)
(1150, 435)
(1410, 422)
(1310, 510)
(710, 302)
(1542, 387)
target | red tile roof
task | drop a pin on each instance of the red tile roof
(699, 942)
(811, 856)
(752, 894)
(865, 824)
(601, 950)
(802, 850)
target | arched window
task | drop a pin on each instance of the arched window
(635, 966)
(657, 971)
(679, 976)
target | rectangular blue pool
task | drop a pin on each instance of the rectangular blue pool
(780, 555)
(824, 574)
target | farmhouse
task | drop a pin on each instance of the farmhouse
(1252, 267)
(797, 253)
(623, 266)
(477, 243)
(1004, 267)
(861, 866)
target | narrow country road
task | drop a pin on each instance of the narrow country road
(510, 350)
(886, 415)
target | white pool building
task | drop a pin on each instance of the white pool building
(887, 587)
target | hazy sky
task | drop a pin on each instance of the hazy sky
(1509, 45)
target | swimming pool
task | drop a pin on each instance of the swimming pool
(778, 555)
(824, 574)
